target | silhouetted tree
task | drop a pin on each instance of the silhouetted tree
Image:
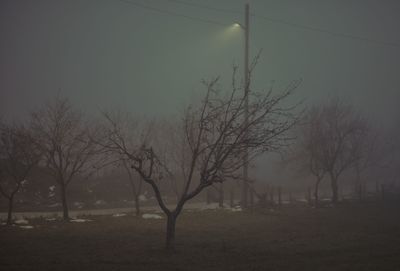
(19, 154)
(309, 150)
(67, 146)
(216, 135)
(367, 154)
(331, 143)
(136, 184)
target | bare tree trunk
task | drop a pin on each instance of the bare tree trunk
(251, 198)
(309, 196)
(135, 191)
(171, 222)
(334, 186)
(221, 196)
(208, 196)
(64, 201)
(272, 195)
(232, 197)
(137, 205)
(262, 200)
(244, 195)
(10, 209)
(280, 196)
(316, 198)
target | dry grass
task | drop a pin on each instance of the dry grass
(363, 237)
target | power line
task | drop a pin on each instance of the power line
(296, 25)
(333, 33)
(206, 7)
(171, 13)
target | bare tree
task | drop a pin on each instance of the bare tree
(128, 126)
(367, 154)
(332, 134)
(136, 184)
(66, 143)
(308, 151)
(216, 135)
(18, 156)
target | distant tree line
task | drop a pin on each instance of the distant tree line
(206, 147)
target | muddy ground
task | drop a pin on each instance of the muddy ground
(348, 237)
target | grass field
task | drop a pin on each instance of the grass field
(349, 237)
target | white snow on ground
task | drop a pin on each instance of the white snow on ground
(26, 227)
(51, 219)
(151, 216)
(80, 220)
(118, 215)
(302, 200)
(21, 221)
(52, 192)
(236, 209)
(211, 206)
(100, 202)
(78, 204)
(215, 206)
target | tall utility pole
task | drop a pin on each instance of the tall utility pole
(245, 187)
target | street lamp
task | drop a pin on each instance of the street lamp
(246, 29)
(236, 25)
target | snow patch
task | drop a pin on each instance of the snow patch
(51, 219)
(100, 202)
(80, 220)
(118, 215)
(151, 216)
(26, 227)
(78, 204)
(211, 206)
(21, 221)
(236, 209)
(302, 200)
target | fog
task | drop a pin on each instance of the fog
(115, 54)
(134, 114)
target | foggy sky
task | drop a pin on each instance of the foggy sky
(108, 53)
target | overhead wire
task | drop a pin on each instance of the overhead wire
(292, 24)
(205, 7)
(172, 13)
(333, 33)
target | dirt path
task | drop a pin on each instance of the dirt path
(111, 211)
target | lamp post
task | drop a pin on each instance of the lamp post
(246, 28)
